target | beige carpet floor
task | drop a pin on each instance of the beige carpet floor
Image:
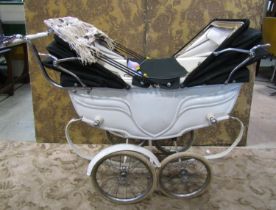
(50, 176)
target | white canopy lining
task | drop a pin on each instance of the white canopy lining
(206, 43)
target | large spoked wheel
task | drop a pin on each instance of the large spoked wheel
(184, 175)
(124, 177)
(174, 145)
(113, 139)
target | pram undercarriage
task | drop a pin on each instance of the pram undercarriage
(154, 101)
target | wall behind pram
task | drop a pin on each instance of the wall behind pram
(153, 27)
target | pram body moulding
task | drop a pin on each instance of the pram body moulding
(155, 113)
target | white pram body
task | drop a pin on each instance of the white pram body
(198, 87)
(155, 113)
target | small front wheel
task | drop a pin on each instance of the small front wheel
(124, 177)
(184, 175)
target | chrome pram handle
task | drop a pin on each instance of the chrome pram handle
(20, 39)
(56, 63)
(254, 52)
(251, 52)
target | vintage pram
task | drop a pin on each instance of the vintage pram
(155, 100)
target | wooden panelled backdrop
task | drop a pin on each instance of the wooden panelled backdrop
(155, 28)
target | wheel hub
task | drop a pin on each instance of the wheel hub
(184, 175)
(123, 176)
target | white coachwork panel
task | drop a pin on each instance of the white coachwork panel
(155, 113)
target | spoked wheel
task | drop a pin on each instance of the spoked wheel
(174, 145)
(113, 139)
(124, 177)
(184, 175)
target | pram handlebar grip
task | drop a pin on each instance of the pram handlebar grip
(20, 39)
(38, 35)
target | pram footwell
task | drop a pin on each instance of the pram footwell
(155, 113)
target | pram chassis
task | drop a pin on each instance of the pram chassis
(89, 104)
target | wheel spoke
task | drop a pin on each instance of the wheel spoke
(131, 181)
(184, 176)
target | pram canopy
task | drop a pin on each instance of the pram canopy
(93, 75)
(194, 64)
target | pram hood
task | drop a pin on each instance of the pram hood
(215, 69)
(169, 73)
(93, 75)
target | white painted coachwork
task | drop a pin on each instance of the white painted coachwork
(155, 113)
